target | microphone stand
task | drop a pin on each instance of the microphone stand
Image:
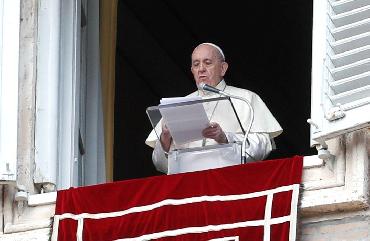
(236, 114)
(244, 158)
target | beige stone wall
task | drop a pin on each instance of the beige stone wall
(35, 235)
(353, 226)
(348, 222)
(26, 100)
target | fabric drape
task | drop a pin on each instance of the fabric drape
(255, 201)
(108, 29)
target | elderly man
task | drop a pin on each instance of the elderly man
(208, 66)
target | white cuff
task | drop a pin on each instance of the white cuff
(259, 145)
(159, 157)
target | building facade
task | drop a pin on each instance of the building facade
(51, 138)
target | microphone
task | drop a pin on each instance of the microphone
(203, 86)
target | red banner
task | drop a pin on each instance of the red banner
(255, 201)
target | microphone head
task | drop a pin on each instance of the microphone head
(201, 85)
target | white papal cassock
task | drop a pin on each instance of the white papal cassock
(264, 127)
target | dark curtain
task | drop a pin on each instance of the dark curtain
(267, 45)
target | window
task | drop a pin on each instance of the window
(59, 109)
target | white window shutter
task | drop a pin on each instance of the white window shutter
(340, 67)
(47, 92)
(57, 93)
(9, 53)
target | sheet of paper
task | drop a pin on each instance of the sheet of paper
(185, 122)
(174, 100)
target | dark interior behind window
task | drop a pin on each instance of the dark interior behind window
(267, 45)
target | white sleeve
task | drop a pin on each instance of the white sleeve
(259, 145)
(159, 157)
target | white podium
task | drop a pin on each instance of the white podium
(202, 158)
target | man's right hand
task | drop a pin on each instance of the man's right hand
(215, 132)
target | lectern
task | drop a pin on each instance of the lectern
(190, 151)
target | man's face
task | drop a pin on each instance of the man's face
(207, 66)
